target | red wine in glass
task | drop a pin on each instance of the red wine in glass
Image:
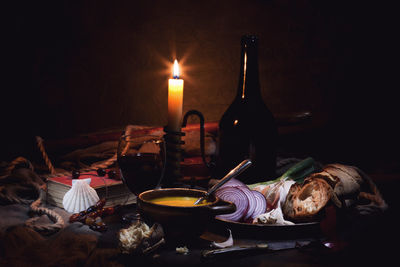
(141, 171)
(141, 161)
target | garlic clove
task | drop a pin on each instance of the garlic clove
(226, 243)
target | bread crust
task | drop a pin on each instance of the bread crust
(304, 202)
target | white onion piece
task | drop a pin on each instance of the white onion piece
(261, 204)
(236, 196)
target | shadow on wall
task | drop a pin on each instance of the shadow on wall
(84, 66)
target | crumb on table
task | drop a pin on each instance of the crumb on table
(182, 250)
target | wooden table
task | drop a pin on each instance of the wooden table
(359, 243)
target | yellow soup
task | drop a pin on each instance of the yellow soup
(179, 201)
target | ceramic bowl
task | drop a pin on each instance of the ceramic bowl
(181, 223)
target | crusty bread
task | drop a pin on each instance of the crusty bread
(305, 201)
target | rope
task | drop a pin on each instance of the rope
(105, 164)
(49, 165)
(35, 208)
(44, 228)
(376, 196)
(19, 161)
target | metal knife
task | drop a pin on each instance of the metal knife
(233, 173)
(273, 246)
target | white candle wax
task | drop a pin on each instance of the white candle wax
(175, 100)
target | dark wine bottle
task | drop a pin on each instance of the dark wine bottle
(247, 129)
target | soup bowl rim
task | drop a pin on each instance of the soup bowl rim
(148, 201)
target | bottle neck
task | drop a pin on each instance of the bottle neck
(249, 84)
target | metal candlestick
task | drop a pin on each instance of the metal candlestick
(174, 151)
(173, 144)
(209, 164)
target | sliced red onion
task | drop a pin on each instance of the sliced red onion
(261, 204)
(252, 202)
(236, 196)
(233, 182)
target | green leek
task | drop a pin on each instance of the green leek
(297, 172)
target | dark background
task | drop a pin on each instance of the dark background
(77, 67)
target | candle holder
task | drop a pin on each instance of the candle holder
(174, 158)
(209, 164)
(173, 144)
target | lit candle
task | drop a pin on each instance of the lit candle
(175, 99)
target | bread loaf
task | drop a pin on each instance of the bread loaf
(305, 201)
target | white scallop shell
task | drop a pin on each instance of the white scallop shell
(80, 197)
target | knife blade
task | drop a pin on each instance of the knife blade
(261, 247)
(232, 174)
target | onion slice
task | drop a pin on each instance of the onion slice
(261, 204)
(234, 182)
(252, 203)
(236, 196)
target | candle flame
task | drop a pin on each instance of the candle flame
(175, 72)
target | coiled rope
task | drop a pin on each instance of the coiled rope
(44, 228)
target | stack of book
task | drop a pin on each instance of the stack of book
(114, 191)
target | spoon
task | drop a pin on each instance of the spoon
(231, 174)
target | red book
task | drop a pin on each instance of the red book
(97, 181)
(114, 191)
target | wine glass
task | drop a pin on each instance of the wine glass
(141, 162)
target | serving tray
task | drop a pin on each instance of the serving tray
(269, 231)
